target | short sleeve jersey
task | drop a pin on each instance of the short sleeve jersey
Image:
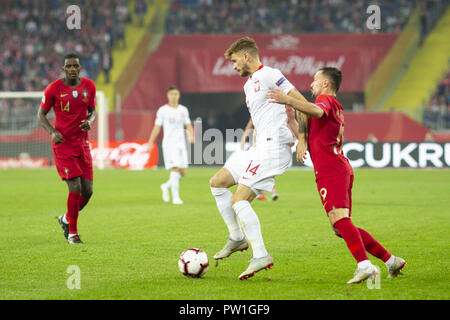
(71, 106)
(325, 139)
(173, 121)
(269, 119)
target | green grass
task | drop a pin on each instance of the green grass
(133, 239)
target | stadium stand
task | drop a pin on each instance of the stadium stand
(281, 17)
(437, 115)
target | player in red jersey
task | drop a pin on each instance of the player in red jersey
(334, 174)
(73, 101)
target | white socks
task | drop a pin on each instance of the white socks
(223, 201)
(174, 181)
(364, 264)
(251, 226)
(390, 261)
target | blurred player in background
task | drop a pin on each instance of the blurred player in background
(270, 157)
(173, 117)
(249, 132)
(73, 101)
(334, 174)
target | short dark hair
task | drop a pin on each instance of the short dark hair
(172, 88)
(335, 76)
(71, 56)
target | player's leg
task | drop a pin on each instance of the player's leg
(260, 195)
(169, 164)
(252, 228)
(274, 194)
(68, 166)
(371, 245)
(393, 264)
(87, 177)
(176, 174)
(73, 205)
(87, 188)
(220, 184)
(343, 225)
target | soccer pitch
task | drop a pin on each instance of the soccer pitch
(133, 239)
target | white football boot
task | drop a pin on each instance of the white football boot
(362, 274)
(257, 264)
(395, 269)
(230, 247)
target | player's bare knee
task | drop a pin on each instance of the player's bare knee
(87, 194)
(217, 182)
(337, 214)
(74, 185)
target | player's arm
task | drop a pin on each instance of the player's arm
(190, 131)
(302, 127)
(43, 121)
(45, 107)
(248, 128)
(302, 105)
(153, 135)
(86, 125)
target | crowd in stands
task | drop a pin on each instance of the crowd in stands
(290, 16)
(437, 115)
(34, 37)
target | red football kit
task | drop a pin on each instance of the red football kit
(72, 156)
(334, 174)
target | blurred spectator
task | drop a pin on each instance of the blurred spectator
(140, 9)
(34, 38)
(372, 138)
(429, 137)
(437, 115)
(107, 62)
(276, 17)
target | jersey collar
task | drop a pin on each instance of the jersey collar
(260, 67)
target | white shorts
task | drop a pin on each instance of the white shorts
(175, 156)
(257, 167)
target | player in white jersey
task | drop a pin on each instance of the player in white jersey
(270, 157)
(250, 133)
(173, 117)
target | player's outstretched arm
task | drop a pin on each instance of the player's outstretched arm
(308, 108)
(153, 135)
(43, 121)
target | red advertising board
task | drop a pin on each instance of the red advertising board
(196, 64)
(126, 154)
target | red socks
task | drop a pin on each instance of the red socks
(73, 205)
(373, 246)
(352, 238)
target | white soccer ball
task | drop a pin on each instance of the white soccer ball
(193, 262)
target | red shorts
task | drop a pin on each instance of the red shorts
(73, 160)
(336, 192)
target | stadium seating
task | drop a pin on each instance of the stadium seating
(437, 115)
(277, 17)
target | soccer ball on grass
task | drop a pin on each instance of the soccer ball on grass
(193, 262)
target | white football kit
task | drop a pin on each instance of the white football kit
(272, 154)
(173, 121)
